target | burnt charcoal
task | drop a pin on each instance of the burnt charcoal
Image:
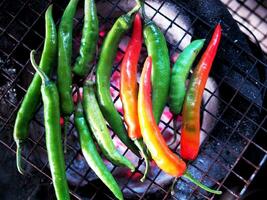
(7, 43)
(16, 29)
(11, 182)
(12, 6)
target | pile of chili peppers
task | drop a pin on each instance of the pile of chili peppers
(142, 106)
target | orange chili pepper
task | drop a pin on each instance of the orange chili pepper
(190, 136)
(160, 152)
(129, 88)
(166, 160)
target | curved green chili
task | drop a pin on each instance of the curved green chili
(180, 73)
(91, 154)
(103, 73)
(89, 40)
(33, 95)
(53, 133)
(157, 49)
(64, 58)
(99, 128)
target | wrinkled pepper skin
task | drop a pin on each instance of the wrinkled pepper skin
(91, 154)
(160, 152)
(161, 72)
(103, 73)
(180, 71)
(53, 138)
(190, 135)
(64, 76)
(33, 96)
(89, 40)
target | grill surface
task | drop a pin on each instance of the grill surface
(22, 29)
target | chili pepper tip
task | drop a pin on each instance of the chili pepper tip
(18, 158)
(43, 76)
(140, 145)
(199, 184)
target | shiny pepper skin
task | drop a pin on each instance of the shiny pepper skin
(160, 152)
(190, 136)
(161, 71)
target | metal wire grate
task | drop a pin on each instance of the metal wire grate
(22, 29)
(253, 15)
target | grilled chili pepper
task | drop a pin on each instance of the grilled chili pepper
(89, 39)
(33, 95)
(99, 128)
(160, 152)
(64, 59)
(53, 133)
(129, 88)
(163, 156)
(180, 73)
(190, 136)
(161, 72)
(91, 154)
(103, 73)
(64, 76)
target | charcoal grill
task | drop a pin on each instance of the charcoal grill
(22, 29)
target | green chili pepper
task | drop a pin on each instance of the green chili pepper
(33, 95)
(64, 58)
(89, 39)
(98, 126)
(157, 49)
(91, 154)
(53, 133)
(180, 73)
(103, 73)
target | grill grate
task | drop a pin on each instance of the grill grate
(22, 29)
(253, 15)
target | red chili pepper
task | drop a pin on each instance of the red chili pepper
(190, 136)
(165, 159)
(129, 87)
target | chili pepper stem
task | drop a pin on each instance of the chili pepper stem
(173, 185)
(91, 75)
(43, 76)
(135, 9)
(140, 145)
(143, 11)
(199, 184)
(19, 159)
(141, 4)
